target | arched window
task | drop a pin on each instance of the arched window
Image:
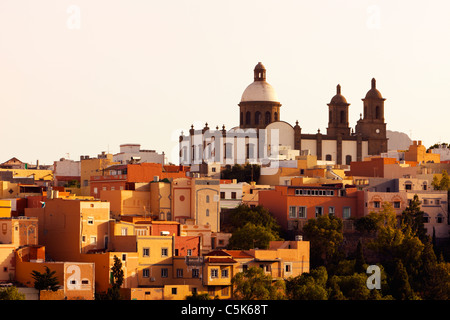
(207, 212)
(328, 157)
(275, 116)
(207, 199)
(330, 116)
(248, 117)
(257, 117)
(377, 112)
(268, 117)
(342, 117)
(242, 118)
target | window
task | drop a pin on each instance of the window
(85, 282)
(328, 157)
(426, 218)
(207, 199)
(124, 257)
(302, 212)
(224, 273)
(146, 252)
(179, 273)
(437, 202)
(287, 268)
(319, 211)
(95, 190)
(164, 252)
(93, 240)
(439, 218)
(85, 183)
(174, 290)
(408, 186)
(348, 159)
(124, 231)
(146, 273)
(233, 195)
(90, 220)
(298, 192)
(222, 195)
(189, 252)
(346, 212)
(331, 211)
(214, 273)
(164, 273)
(207, 212)
(195, 273)
(397, 204)
(376, 204)
(292, 212)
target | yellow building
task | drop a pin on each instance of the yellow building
(127, 202)
(197, 199)
(93, 167)
(15, 233)
(418, 152)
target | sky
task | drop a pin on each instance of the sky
(80, 77)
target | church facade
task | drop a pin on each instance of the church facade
(261, 133)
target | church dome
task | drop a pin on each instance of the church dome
(259, 90)
(338, 98)
(373, 93)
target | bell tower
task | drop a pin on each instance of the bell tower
(338, 115)
(372, 126)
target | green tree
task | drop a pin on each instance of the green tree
(252, 228)
(254, 284)
(399, 283)
(257, 216)
(46, 280)
(308, 286)
(116, 279)
(242, 173)
(196, 296)
(325, 235)
(360, 261)
(11, 293)
(413, 219)
(444, 184)
(251, 236)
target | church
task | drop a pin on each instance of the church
(261, 133)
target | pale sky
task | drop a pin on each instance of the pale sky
(140, 71)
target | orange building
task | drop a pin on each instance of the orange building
(70, 227)
(76, 279)
(133, 176)
(292, 206)
(383, 168)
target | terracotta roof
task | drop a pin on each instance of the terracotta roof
(221, 260)
(239, 254)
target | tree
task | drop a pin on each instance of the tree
(117, 277)
(308, 286)
(196, 296)
(247, 173)
(400, 286)
(254, 284)
(443, 183)
(325, 235)
(11, 293)
(252, 228)
(251, 236)
(413, 218)
(360, 261)
(46, 280)
(257, 216)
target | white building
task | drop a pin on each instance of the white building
(133, 152)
